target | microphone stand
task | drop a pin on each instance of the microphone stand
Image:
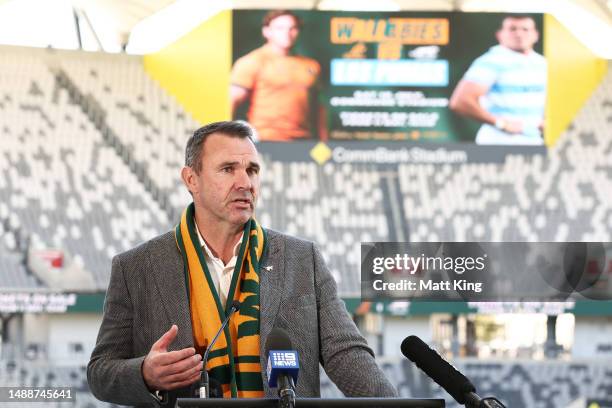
(204, 391)
(286, 392)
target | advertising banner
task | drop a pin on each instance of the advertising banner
(433, 77)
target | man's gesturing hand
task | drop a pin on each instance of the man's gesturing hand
(169, 370)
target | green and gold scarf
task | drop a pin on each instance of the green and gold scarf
(235, 364)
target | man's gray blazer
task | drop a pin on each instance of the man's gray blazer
(147, 294)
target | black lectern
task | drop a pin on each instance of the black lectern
(311, 403)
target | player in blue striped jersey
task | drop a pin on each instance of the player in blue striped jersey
(505, 88)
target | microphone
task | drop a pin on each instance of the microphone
(444, 374)
(204, 389)
(283, 366)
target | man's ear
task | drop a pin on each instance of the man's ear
(188, 176)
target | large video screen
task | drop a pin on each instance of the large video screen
(427, 76)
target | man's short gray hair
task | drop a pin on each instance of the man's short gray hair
(234, 128)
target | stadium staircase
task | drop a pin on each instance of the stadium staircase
(96, 114)
(61, 182)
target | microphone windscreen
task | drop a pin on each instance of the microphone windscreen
(438, 369)
(278, 339)
(236, 305)
(283, 361)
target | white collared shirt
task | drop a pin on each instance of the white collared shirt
(220, 273)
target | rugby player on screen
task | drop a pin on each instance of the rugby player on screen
(282, 87)
(505, 88)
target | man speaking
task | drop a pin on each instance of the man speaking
(167, 297)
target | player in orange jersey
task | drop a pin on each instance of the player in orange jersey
(282, 87)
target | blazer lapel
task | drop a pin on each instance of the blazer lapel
(167, 268)
(272, 272)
